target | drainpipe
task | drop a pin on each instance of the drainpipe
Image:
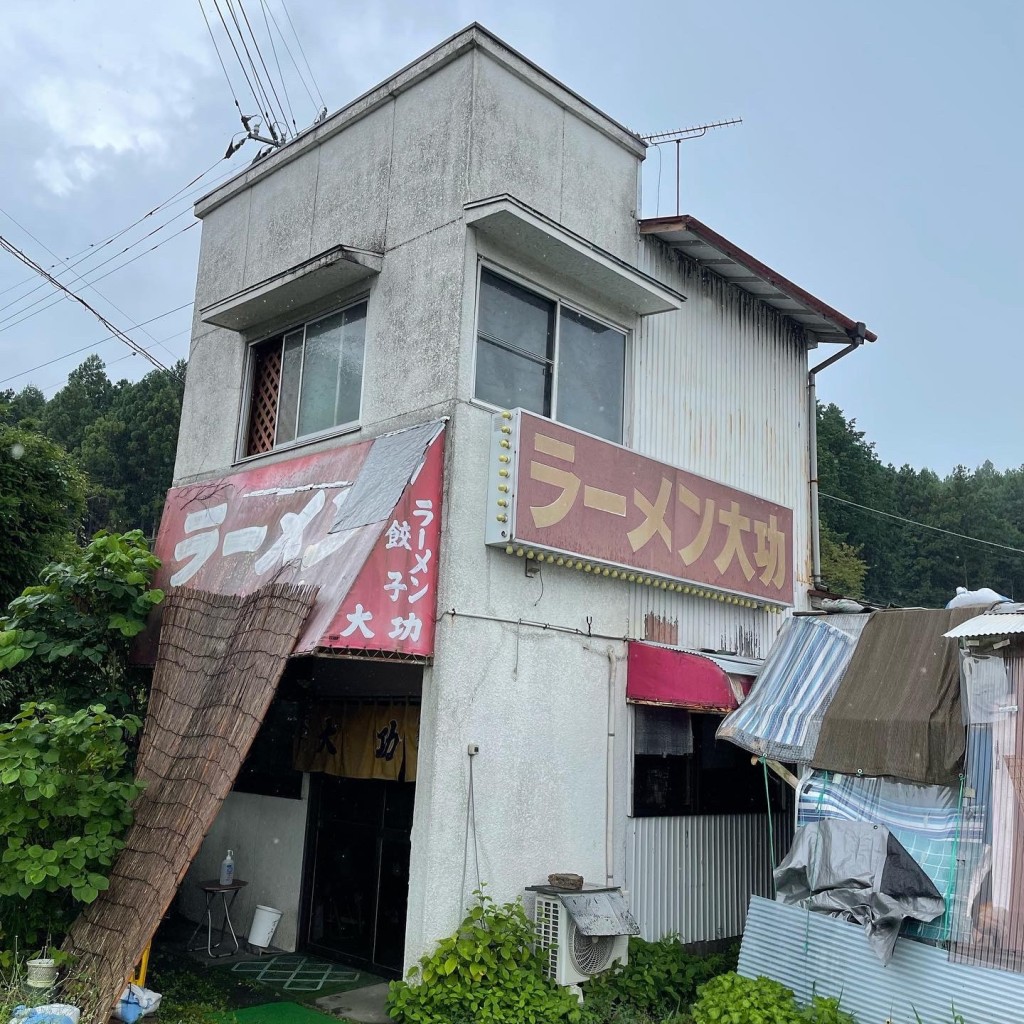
(857, 337)
(609, 781)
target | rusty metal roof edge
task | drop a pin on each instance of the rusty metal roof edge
(657, 225)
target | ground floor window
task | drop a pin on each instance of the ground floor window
(680, 769)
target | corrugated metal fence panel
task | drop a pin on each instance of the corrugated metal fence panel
(694, 876)
(682, 620)
(812, 953)
(719, 388)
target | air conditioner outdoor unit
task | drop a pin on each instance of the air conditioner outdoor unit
(571, 955)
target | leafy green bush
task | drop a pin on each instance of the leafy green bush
(486, 973)
(733, 999)
(65, 801)
(660, 979)
(68, 638)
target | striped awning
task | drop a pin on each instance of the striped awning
(782, 716)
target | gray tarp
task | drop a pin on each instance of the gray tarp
(860, 872)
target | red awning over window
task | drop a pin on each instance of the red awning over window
(661, 675)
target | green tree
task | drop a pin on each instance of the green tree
(129, 451)
(842, 567)
(42, 501)
(22, 409)
(85, 397)
(69, 637)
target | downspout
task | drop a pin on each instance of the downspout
(857, 337)
(609, 819)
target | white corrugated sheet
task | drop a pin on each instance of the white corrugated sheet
(816, 954)
(694, 875)
(989, 624)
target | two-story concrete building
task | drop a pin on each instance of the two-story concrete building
(538, 454)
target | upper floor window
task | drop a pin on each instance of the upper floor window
(306, 381)
(539, 354)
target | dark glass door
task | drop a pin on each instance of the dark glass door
(358, 882)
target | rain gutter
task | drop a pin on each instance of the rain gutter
(858, 335)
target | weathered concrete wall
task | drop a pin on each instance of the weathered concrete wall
(267, 835)
(395, 179)
(535, 700)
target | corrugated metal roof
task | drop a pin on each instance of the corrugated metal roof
(990, 624)
(728, 260)
(814, 954)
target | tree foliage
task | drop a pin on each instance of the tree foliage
(904, 564)
(69, 636)
(66, 790)
(123, 437)
(42, 500)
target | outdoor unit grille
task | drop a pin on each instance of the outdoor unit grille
(571, 956)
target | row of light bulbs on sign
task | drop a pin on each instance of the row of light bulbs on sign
(636, 577)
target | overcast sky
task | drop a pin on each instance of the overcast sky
(878, 166)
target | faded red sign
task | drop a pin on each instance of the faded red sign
(580, 495)
(361, 521)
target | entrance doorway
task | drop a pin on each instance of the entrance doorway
(358, 875)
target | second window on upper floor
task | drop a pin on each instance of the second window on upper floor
(306, 381)
(539, 354)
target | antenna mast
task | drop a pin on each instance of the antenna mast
(681, 135)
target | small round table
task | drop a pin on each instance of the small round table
(212, 890)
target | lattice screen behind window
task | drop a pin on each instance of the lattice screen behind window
(266, 384)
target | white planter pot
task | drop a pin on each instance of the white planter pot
(42, 973)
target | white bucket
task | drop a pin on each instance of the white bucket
(264, 924)
(42, 972)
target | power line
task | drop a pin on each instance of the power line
(119, 334)
(295, 63)
(277, 61)
(96, 246)
(96, 344)
(5, 326)
(213, 39)
(241, 63)
(89, 254)
(268, 107)
(924, 526)
(298, 42)
(270, 77)
(121, 359)
(82, 279)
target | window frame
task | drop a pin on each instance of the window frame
(560, 302)
(697, 802)
(281, 332)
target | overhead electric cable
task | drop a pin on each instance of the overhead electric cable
(5, 325)
(298, 43)
(268, 107)
(119, 334)
(96, 344)
(295, 63)
(88, 284)
(280, 73)
(241, 63)
(216, 48)
(270, 77)
(923, 526)
(90, 250)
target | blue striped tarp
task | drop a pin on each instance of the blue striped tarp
(925, 819)
(781, 718)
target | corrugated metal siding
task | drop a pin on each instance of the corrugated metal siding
(719, 388)
(694, 876)
(812, 953)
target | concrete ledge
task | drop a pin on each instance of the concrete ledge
(540, 241)
(331, 271)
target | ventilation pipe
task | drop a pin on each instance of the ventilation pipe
(857, 337)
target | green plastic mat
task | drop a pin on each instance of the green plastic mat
(281, 1013)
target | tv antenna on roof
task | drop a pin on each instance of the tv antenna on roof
(681, 135)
